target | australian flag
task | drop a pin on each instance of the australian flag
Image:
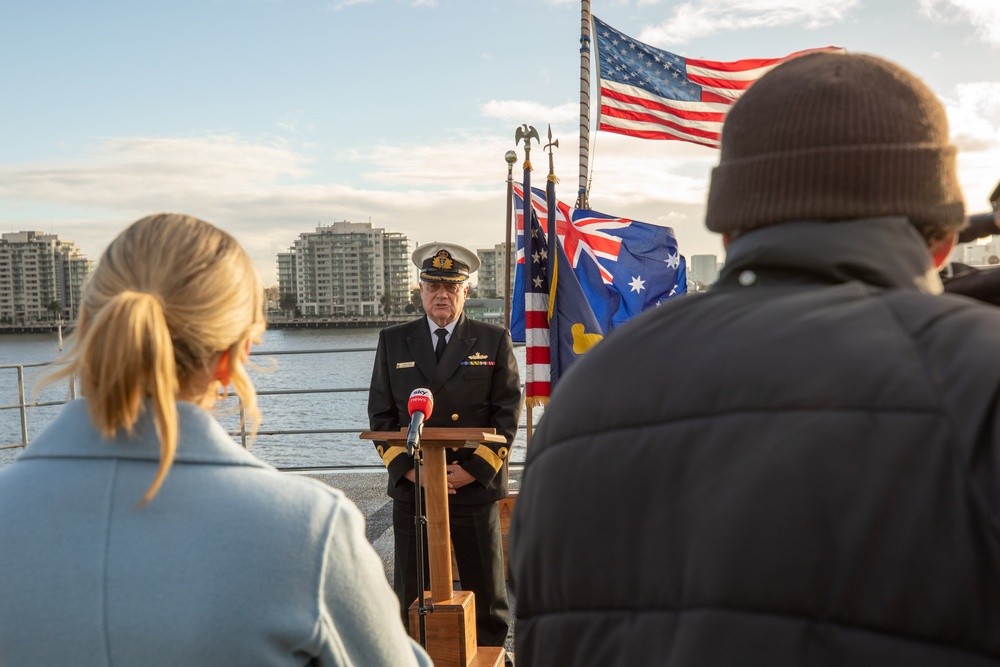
(623, 266)
(558, 323)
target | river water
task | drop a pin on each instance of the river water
(347, 371)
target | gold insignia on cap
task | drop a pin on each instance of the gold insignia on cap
(443, 260)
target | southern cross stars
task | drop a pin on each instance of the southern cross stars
(637, 284)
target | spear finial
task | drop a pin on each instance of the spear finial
(552, 144)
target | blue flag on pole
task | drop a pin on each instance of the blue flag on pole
(623, 266)
(556, 318)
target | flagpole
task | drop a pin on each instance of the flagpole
(527, 133)
(511, 158)
(583, 199)
(553, 271)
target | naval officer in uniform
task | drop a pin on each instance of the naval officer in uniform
(470, 369)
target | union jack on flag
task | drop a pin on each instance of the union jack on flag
(624, 266)
(654, 94)
(558, 322)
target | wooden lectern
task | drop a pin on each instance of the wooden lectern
(451, 627)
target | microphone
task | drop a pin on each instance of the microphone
(420, 406)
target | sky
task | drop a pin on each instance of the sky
(270, 117)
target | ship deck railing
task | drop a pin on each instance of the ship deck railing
(24, 401)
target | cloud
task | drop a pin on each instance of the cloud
(703, 18)
(983, 15)
(132, 169)
(268, 192)
(449, 164)
(974, 116)
(519, 111)
(974, 120)
(345, 4)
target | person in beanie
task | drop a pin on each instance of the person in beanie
(471, 371)
(800, 466)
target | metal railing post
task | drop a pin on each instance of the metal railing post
(22, 406)
(243, 425)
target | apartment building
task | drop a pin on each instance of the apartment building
(41, 278)
(704, 271)
(491, 272)
(347, 269)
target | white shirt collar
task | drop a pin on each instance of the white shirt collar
(434, 327)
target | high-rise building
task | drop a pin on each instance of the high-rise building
(347, 269)
(397, 270)
(704, 271)
(491, 271)
(41, 278)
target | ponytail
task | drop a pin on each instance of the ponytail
(126, 357)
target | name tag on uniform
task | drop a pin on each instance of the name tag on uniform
(406, 364)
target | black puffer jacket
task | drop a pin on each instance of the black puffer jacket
(800, 467)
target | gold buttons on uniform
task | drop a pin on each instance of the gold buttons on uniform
(454, 417)
(502, 452)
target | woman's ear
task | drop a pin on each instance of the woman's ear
(222, 369)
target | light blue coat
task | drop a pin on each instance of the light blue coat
(232, 563)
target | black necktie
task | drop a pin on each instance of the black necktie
(439, 348)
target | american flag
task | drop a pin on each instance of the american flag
(537, 384)
(654, 94)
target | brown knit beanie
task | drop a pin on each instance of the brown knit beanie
(833, 136)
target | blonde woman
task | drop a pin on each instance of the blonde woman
(135, 531)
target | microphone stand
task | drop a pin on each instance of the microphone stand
(425, 605)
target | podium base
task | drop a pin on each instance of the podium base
(451, 634)
(489, 656)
